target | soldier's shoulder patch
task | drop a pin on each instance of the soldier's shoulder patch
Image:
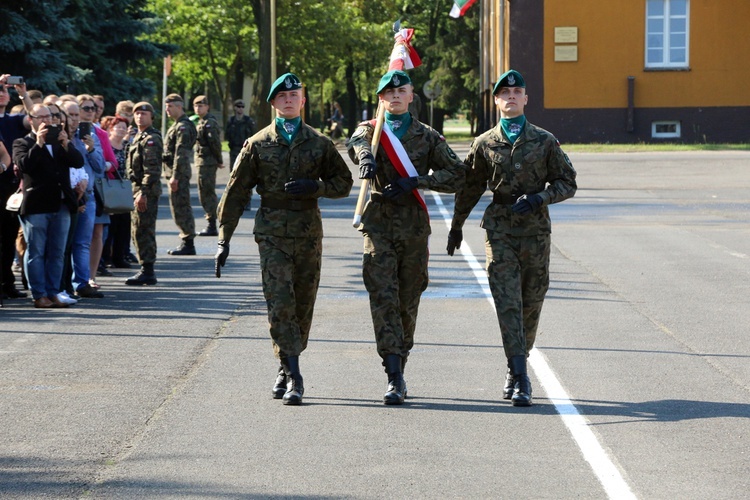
(182, 128)
(150, 142)
(442, 137)
(208, 125)
(244, 144)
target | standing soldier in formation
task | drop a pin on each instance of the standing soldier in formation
(526, 170)
(144, 171)
(239, 127)
(291, 165)
(395, 222)
(207, 158)
(176, 162)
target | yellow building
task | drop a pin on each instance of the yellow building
(625, 70)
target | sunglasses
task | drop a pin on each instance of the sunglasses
(88, 109)
(56, 115)
(239, 106)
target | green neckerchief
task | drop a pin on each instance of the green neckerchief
(512, 127)
(284, 126)
(399, 123)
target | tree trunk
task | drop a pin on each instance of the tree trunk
(351, 90)
(262, 11)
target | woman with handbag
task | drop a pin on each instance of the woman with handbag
(117, 244)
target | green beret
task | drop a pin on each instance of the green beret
(510, 78)
(173, 98)
(284, 83)
(393, 79)
(143, 106)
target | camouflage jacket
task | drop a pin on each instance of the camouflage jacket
(178, 148)
(143, 163)
(208, 144)
(237, 131)
(535, 164)
(404, 218)
(267, 161)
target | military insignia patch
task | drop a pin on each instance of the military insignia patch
(149, 143)
(511, 80)
(515, 128)
(396, 81)
(288, 82)
(289, 127)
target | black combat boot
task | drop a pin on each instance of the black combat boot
(187, 247)
(403, 372)
(522, 388)
(395, 392)
(294, 387)
(145, 276)
(510, 384)
(279, 388)
(210, 229)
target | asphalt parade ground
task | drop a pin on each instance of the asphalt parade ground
(641, 374)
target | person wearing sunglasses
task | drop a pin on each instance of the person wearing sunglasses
(239, 128)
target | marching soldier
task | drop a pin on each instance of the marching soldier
(207, 158)
(239, 127)
(144, 171)
(291, 165)
(176, 164)
(395, 223)
(526, 170)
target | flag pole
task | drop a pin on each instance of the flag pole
(365, 188)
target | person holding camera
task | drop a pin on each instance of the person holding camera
(12, 127)
(45, 158)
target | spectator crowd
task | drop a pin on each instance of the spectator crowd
(58, 239)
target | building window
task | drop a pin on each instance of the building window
(667, 35)
(665, 130)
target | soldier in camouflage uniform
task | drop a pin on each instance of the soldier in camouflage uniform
(395, 223)
(144, 171)
(239, 127)
(526, 170)
(207, 159)
(291, 165)
(178, 151)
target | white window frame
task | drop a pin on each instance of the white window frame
(666, 135)
(666, 33)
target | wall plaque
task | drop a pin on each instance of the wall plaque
(566, 34)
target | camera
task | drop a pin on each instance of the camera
(14, 80)
(53, 135)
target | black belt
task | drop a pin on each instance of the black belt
(504, 199)
(401, 200)
(295, 205)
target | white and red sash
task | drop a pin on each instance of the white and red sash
(400, 160)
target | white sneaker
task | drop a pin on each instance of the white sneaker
(65, 298)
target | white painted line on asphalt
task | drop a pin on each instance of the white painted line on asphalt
(605, 470)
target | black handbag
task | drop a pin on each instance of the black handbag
(116, 194)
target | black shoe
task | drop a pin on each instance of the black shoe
(141, 278)
(184, 249)
(294, 384)
(210, 229)
(279, 388)
(10, 292)
(89, 292)
(121, 264)
(522, 386)
(103, 271)
(510, 383)
(394, 395)
(131, 258)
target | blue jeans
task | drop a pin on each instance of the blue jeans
(81, 249)
(45, 235)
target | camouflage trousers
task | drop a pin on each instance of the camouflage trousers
(290, 268)
(395, 275)
(182, 210)
(143, 231)
(233, 154)
(518, 273)
(207, 190)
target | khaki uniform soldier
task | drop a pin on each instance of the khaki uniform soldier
(526, 170)
(207, 159)
(395, 222)
(239, 127)
(178, 151)
(144, 171)
(291, 165)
